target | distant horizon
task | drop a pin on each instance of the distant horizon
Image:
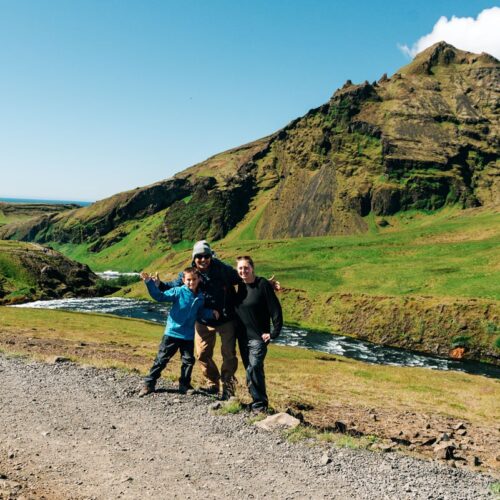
(44, 201)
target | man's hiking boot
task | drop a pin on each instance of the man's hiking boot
(145, 390)
(227, 394)
(228, 390)
(211, 390)
(186, 389)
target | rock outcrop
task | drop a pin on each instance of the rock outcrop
(29, 271)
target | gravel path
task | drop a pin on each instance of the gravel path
(68, 431)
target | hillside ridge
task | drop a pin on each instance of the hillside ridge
(425, 137)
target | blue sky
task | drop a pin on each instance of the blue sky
(97, 97)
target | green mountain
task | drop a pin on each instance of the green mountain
(422, 139)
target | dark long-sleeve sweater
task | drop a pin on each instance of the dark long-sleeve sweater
(256, 306)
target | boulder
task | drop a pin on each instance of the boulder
(278, 421)
(445, 451)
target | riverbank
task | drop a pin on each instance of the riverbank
(402, 407)
(291, 335)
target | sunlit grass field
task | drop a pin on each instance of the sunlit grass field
(293, 375)
(449, 253)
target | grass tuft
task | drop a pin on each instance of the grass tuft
(230, 408)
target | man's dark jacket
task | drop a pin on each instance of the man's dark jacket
(217, 285)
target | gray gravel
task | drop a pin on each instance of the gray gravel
(69, 431)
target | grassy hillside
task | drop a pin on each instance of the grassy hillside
(426, 281)
(11, 213)
(135, 248)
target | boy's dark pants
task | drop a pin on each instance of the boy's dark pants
(256, 380)
(168, 347)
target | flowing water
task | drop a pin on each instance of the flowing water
(291, 336)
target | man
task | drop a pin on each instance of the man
(217, 284)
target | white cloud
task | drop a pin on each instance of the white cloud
(473, 35)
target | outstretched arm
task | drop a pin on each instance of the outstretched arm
(156, 293)
(167, 285)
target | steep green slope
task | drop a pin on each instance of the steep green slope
(29, 271)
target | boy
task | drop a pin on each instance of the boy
(187, 307)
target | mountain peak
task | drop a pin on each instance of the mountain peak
(444, 54)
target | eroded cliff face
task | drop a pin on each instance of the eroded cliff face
(426, 137)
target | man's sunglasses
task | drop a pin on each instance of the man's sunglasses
(203, 256)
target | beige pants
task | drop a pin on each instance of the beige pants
(205, 342)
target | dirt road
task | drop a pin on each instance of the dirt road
(68, 431)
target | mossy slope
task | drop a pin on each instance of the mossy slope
(425, 138)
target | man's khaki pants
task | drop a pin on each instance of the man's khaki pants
(205, 342)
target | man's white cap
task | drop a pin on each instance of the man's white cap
(201, 248)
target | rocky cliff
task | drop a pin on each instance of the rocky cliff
(29, 271)
(425, 137)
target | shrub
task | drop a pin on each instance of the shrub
(460, 341)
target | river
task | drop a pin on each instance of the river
(291, 336)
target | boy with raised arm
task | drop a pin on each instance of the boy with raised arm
(187, 306)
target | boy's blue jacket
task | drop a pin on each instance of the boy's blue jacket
(186, 309)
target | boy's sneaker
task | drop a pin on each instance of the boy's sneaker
(145, 390)
(186, 389)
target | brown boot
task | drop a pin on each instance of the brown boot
(228, 389)
(145, 390)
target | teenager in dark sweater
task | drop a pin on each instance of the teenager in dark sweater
(256, 306)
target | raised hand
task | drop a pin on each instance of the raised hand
(275, 283)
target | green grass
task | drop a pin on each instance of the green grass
(9, 218)
(133, 253)
(15, 279)
(293, 375)
(303, 432)
(495, 489)
(446, 254)
(230, 408)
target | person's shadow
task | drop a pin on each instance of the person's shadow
(168, 390)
